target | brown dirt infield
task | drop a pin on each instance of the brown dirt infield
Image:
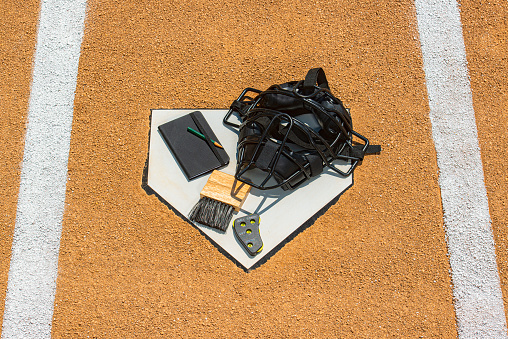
(374, 265)
(18, 26)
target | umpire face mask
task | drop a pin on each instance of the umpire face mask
(290, 132)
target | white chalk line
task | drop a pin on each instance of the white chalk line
(476, 285)
(31, 284)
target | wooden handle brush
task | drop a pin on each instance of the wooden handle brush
(221, 196)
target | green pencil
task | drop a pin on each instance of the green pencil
(196, 133)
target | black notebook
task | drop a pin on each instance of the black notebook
(195, 155)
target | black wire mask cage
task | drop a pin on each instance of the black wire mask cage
(290, 132)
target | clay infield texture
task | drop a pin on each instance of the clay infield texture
(374, 265)
(18, 28)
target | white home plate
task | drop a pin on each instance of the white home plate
(282, 212)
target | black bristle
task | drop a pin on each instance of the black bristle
(212, 213)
